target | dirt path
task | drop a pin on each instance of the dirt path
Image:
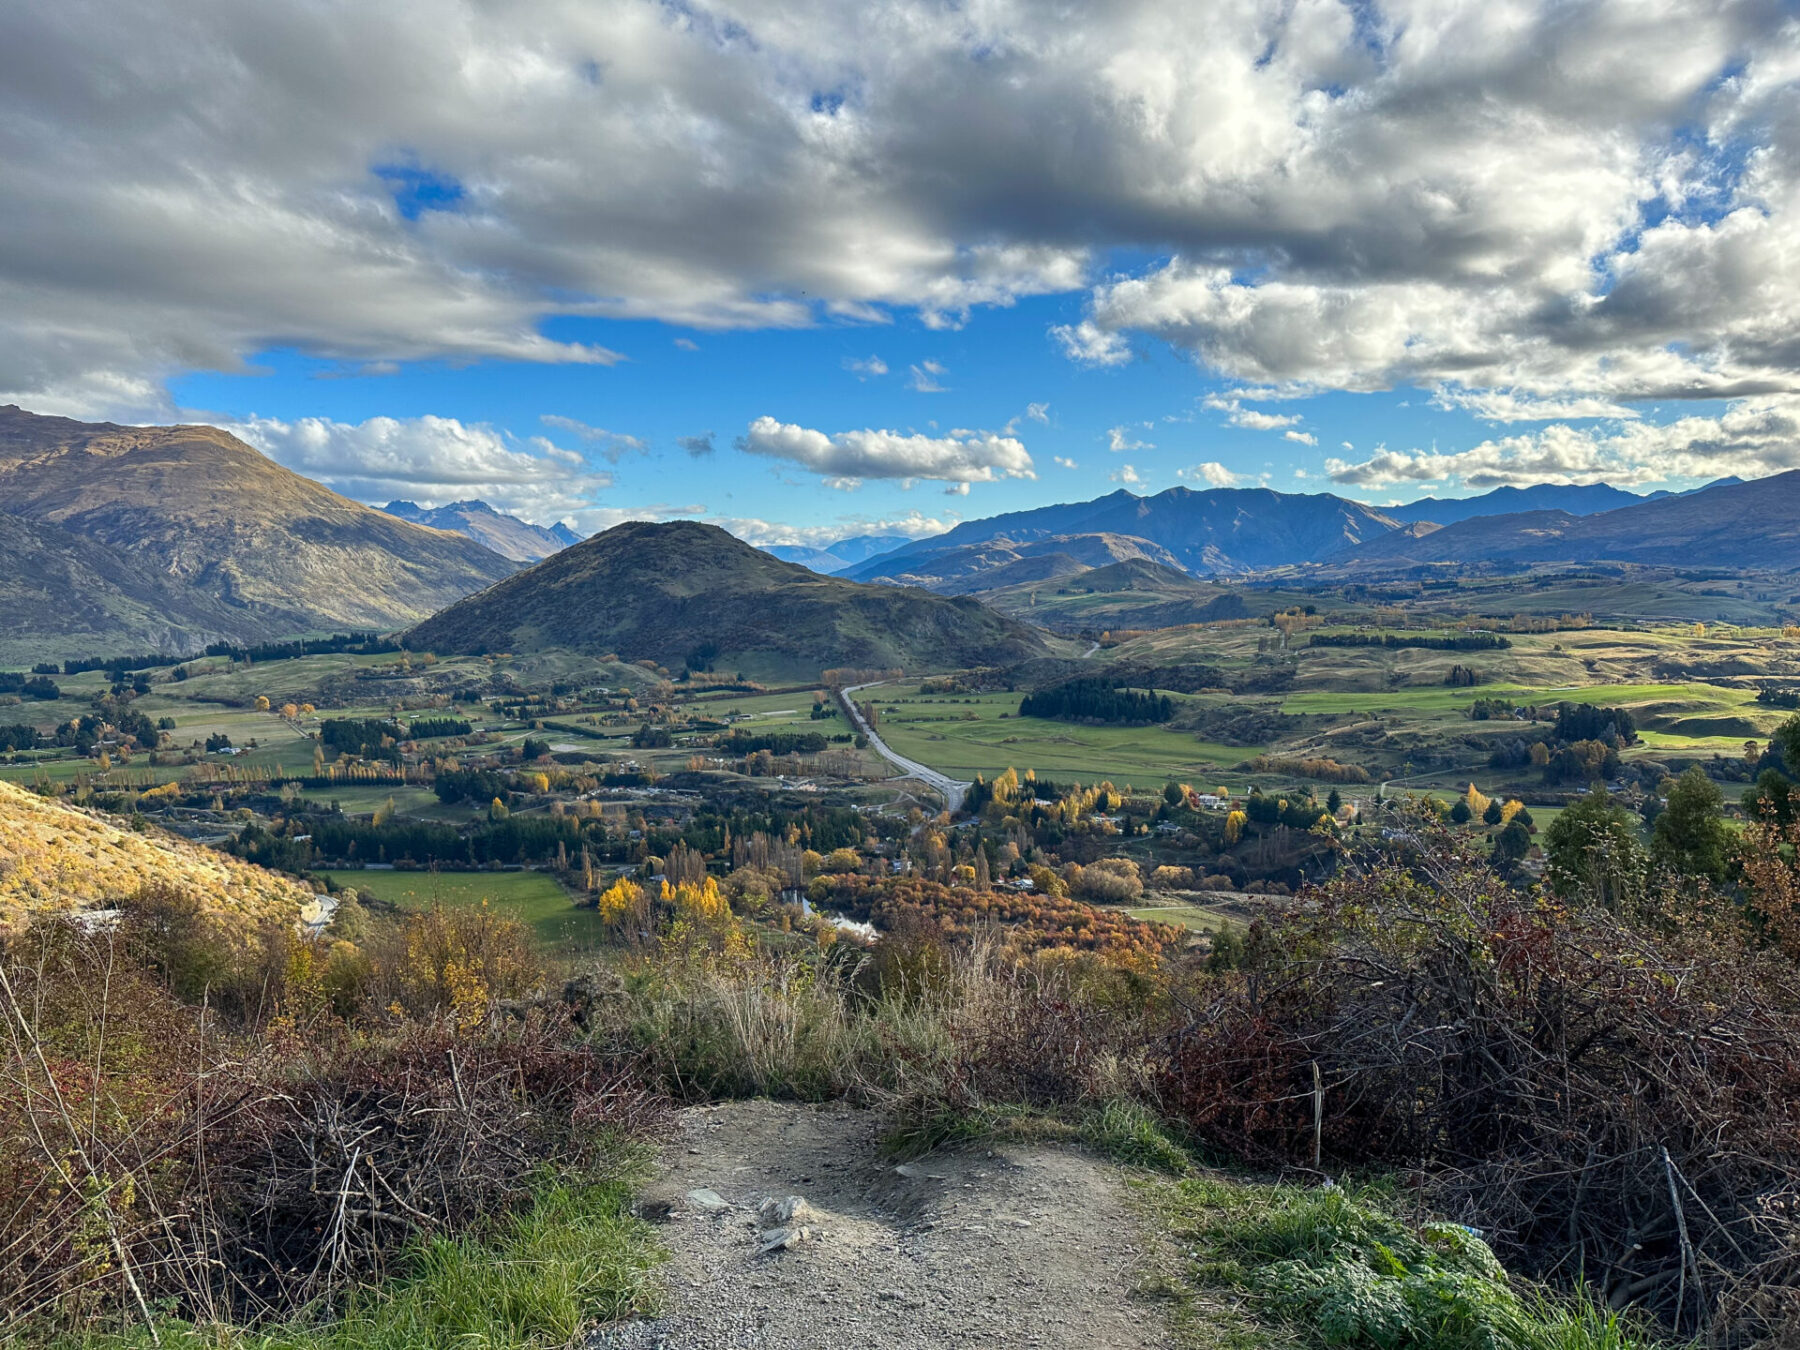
(1017, 1246)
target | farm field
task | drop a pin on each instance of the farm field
(536, 899)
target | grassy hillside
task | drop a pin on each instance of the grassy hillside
(668, 592)
(58, 859)
(208, 513)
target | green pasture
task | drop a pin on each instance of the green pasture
(536, 899)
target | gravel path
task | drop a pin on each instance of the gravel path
(1017, 1246)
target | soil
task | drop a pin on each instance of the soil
(1018, 1245)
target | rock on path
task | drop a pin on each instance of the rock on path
(1015, 1246)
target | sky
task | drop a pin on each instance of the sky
(815, 269)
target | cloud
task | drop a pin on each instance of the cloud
(432, 460)
(957, 490)
(1038, 412)
(687, 344)
(1501, 405)
(1119, 440)
(1212, 473)
(1125, 474)
(1252, 419)
(1557, 202)
(612, 446)
(698, 447)
(1302, 437)
(1752, 438)
(1065, 463)
(965, 457)
(763, 533)
(925, 378)
(872, 365)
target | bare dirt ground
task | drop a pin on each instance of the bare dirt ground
(1013, 1246)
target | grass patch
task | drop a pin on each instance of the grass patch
(1330, 1267)
(533, 898)
(575, 1258)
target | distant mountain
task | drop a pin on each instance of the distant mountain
(834, 558)
(1003, 562)
(1218, 531)
(670, 591)
(1733, 525)
(205, 512)
(506, 535)
(1582, 500)
(62, 596)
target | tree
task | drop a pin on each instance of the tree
(262, 703)
(1593, 849)
(1173, 795)
(1787, 740)
(1511, 844)
(1494, 812)
(1334, 802)
(1690, 835)
(1460, 814)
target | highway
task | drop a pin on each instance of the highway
(953, 789)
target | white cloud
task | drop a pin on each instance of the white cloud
(1038, 412)
(1125, 474)
(872, 365)
(1502, 405)
(1301, 437)
(957, 490)
(1251, 419)
(612, 446)
(1752, 438)
(431, 460)
(1119, 440)
(762, 533)
(687, 344)
(1065, 463)
(966, 457)
(1569, 205)
(925, 377)
(1212, 473)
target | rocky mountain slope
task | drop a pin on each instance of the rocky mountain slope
(63, 596)
(207, 513)
(682, 590)
(1005, 562)
(506, 535)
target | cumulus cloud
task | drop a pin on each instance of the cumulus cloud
(1572, 204)
(1251, 419)
(612, 446)
(431, 460)
(1752, 438)
(1212, 473)
(698, 447)
(1125, 474)
(1038, 412)
(871, 365)
(963, 457)
(1301, 437)
(1064, 462)
(763, 533)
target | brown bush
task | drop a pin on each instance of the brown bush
(1620, 1103)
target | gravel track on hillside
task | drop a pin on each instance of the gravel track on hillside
(1014, 1246)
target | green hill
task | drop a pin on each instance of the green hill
(277, 553)
(665, 592)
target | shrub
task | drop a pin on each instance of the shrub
(1111, 881)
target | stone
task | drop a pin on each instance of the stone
(774, 1213)
(780, 1239)
(707, 1201)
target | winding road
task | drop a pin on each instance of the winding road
(953, 789)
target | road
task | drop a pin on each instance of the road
(953, 789)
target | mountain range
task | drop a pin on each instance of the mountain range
(138, 535)
(1220, 531)
(686, 592)
(834, 558)
(506, 535)
(1732, 525)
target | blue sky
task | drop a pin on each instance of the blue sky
(918, 258)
